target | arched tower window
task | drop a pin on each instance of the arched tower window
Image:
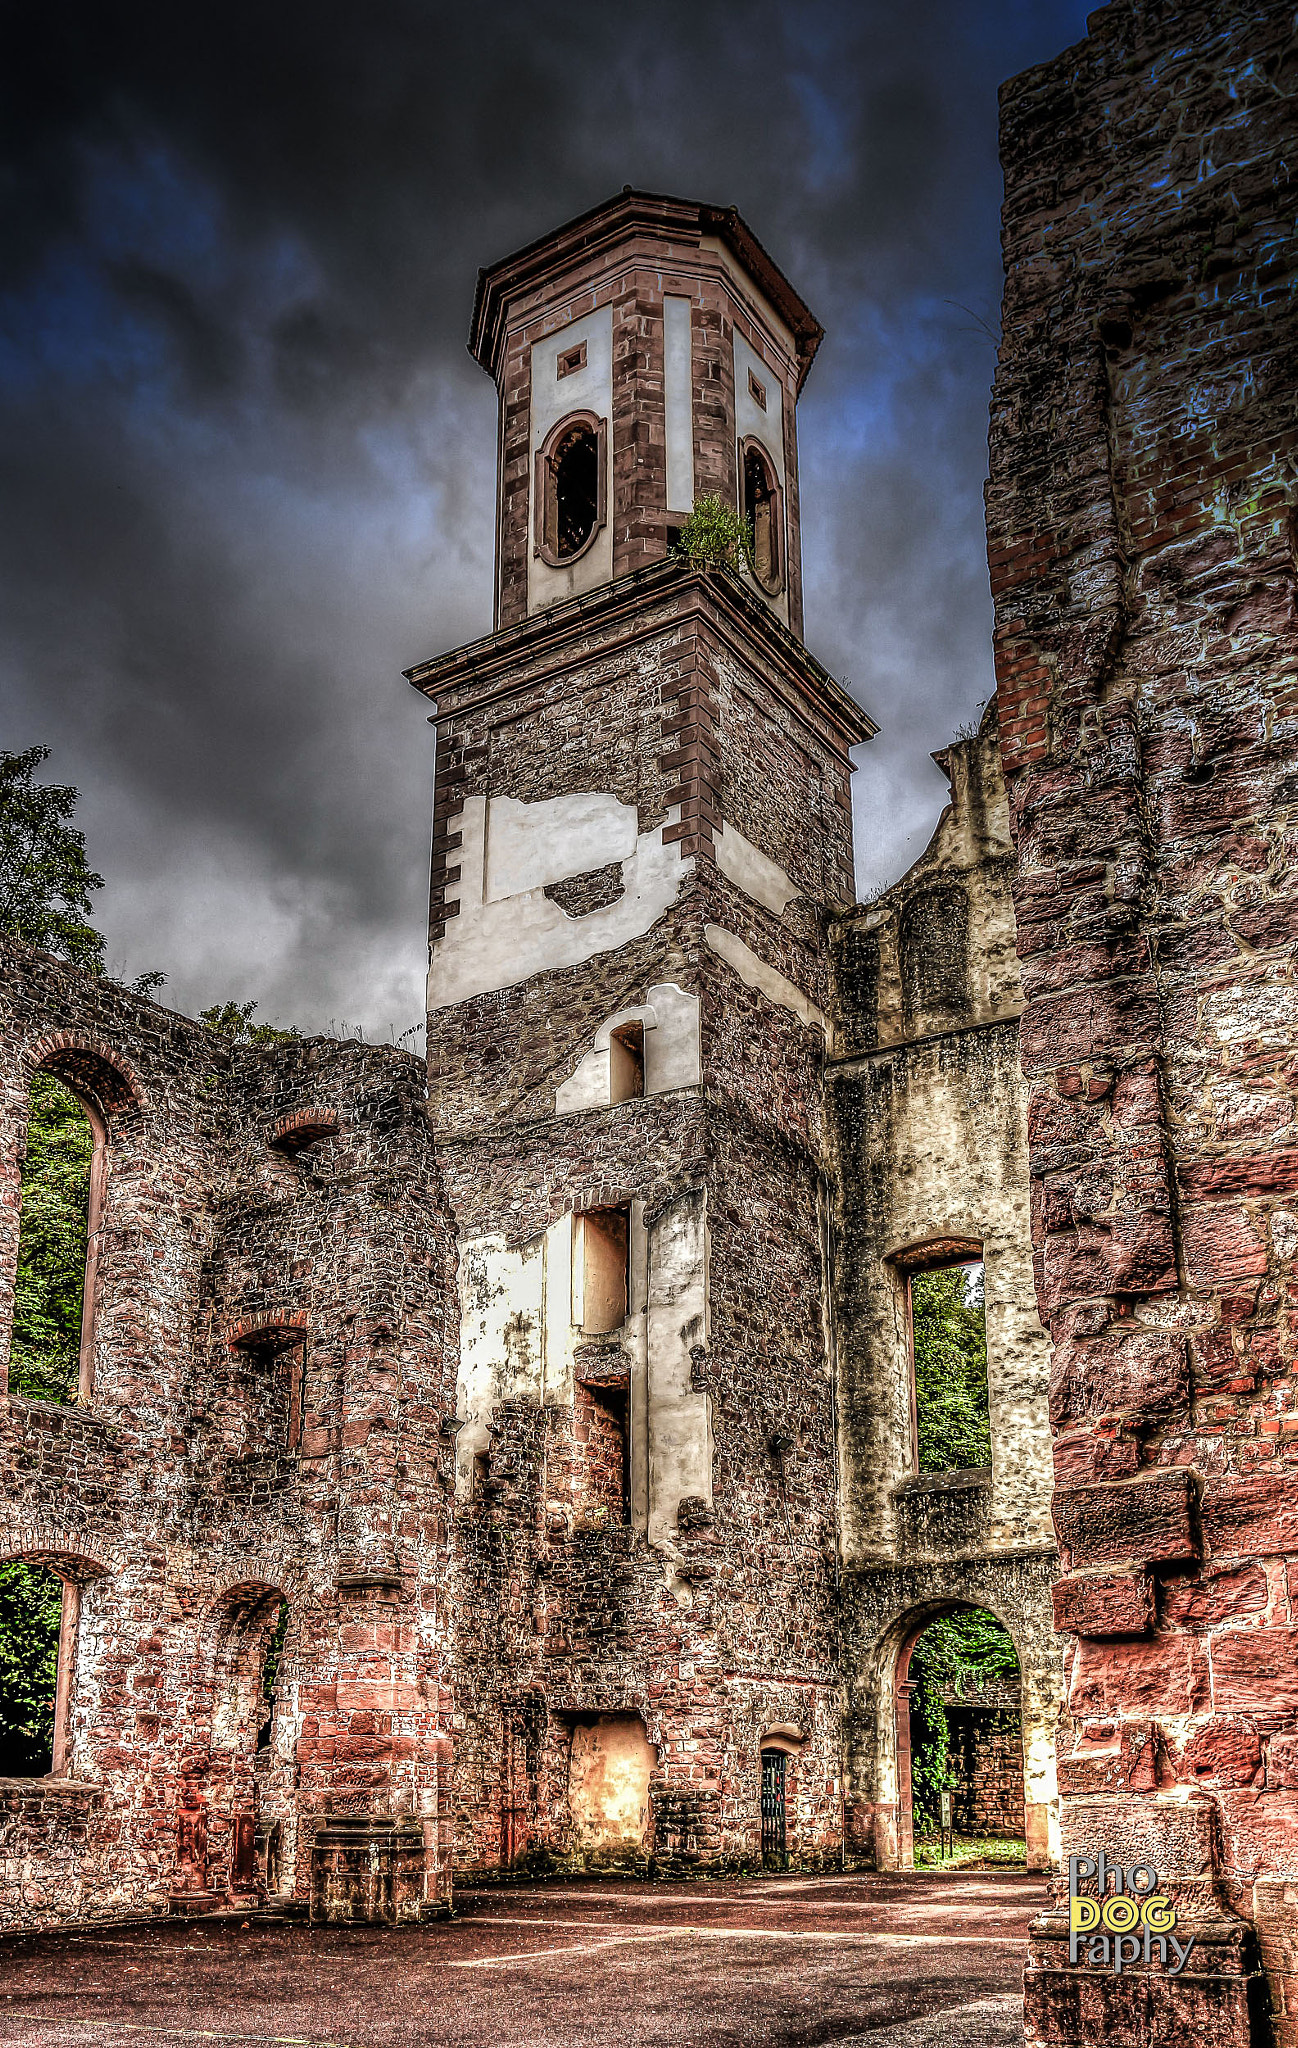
(51, 1357)
(762, 511)
(570, 488)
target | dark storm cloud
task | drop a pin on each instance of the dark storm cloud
(247, 467)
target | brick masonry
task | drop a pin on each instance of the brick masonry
(1140, 531)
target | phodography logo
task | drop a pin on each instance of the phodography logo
(1120, 1929)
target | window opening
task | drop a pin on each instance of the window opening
(600, 1251)
(62, 1197)
(571, 359)
(480, 1475)
(757, 390)
(600, 1428)
(626, 1063)
(761, 501)
(948, 1324)
(572, 480)
(775, 1768)
(962, 1700)
(37, 1627)
(270, 1674)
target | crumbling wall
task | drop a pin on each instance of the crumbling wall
(927, 1111)
(1141, 538)
(274, 1359)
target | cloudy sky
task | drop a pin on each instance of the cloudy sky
(247, 466)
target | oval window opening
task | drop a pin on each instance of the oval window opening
(575, 469)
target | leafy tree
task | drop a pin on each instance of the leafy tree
(51, 1245)
(31, 1605)
(45, 882)
(959, 1653)
(233, 1021)
(950, 1332)
(715, 537)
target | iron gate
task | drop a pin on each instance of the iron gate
(774, 1837)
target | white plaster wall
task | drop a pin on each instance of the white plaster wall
(589, 389)
(496, 941)
(672, 1052)
(530, 844)
(776, 987)
(517, 1339)
(678, 401)
(679, 1419)
(754, 871)
(767, 427)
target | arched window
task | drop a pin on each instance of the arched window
(570, 489)
(762, 511)
(62, 1186)
(38, 1616)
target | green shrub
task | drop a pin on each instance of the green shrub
(715, 537)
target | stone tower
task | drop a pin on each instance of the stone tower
(642, 822)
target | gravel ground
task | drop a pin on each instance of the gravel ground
(923, 1961)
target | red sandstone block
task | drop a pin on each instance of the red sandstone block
(1223, 1751)
(1261, 1174)
(1220, 1245)
(1138, 1520)
(1256, 1516)
(1207, 1600)
(1255, 1670)
(1098, 1604)
(1144, 1373)
(1128, 1254)
(1167, 1674)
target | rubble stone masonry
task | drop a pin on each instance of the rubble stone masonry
(1142, 545)
(274, 1347)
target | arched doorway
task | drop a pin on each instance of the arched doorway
(962, 1698)
(900, 1732)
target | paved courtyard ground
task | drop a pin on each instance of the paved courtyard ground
(930, 1961)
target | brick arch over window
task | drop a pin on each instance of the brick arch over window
(99, 1075)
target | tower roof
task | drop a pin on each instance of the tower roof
(616, 220)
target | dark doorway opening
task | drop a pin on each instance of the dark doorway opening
(775, 1837)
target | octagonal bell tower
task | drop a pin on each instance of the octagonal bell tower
(646, 355)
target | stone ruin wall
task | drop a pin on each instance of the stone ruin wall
(1142, 546)
(173, 1500)
(927, 1115)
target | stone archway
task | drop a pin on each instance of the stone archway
(888, 1611)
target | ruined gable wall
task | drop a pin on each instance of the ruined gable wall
(926, 1112)
(176, 1499)
(1140, 520)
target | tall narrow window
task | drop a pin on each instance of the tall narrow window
(762, 511)
(62, 1177)
(600, 1430)
(600, 1249)
(32, 1712)
(626, 1063)
(570, 489)
(949, 1343)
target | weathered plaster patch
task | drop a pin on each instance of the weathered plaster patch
(768, 980)
(499, 941)
(754, 871)
(672, 1056)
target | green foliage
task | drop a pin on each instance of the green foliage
(950, 1328)
(956, 1653)
(51, 1245)
(715, 537)
(31, 1603)
(45, 883)
(233, 1022)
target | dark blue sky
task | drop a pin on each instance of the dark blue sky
(246, 466)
